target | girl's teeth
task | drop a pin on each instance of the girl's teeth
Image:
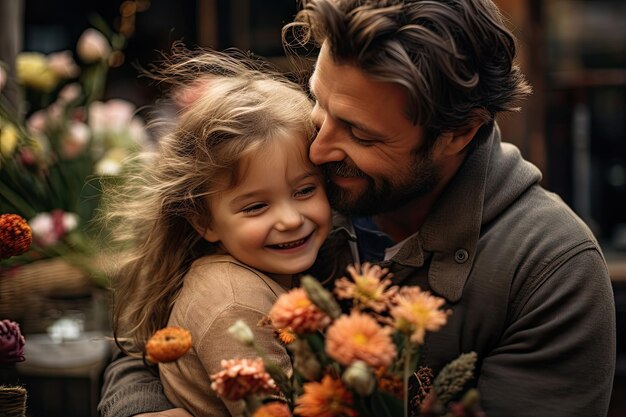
(290, 244)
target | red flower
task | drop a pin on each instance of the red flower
(15, 235)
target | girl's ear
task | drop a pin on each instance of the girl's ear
(204, 230)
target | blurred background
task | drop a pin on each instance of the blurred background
(573, 127)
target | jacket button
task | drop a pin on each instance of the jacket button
(461, 256)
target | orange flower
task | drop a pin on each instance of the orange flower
(328, 398)
(418, 311)
(242, 377)
(294, 310)
(359, 337)
(286, 336)
(15, 235)
(273, 409)
(369, 288)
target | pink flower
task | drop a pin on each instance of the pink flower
(242, 377)
(92, 46)
(328, 398)
(418, 311)
(62, 65)
(359, 337)
(11, 343)
(296, 312)
(369, 288)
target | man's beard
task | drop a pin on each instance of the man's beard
(384, 194)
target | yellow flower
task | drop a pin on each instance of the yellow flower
(369, 288)
(8, 139)
(33, 71)
(418, 311)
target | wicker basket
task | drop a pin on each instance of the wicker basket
(26, 291)
(12, 401)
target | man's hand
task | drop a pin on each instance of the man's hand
(174, 412)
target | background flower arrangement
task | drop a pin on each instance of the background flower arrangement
(60, 141)
(357, 363)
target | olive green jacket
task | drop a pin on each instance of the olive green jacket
(524, 277)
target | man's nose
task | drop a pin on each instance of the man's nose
(326, 145)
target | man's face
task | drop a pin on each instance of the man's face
(373, 156)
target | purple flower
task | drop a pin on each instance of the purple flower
(11, 343)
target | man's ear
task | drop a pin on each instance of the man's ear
(454, 142)
(204, 230)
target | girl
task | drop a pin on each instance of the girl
(222, 220)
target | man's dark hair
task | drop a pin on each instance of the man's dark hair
(454, 57)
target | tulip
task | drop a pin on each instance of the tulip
(62, 65)
(33, 71)
(92, 46)
(8, 139)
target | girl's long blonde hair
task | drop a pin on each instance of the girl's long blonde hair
(229, 106)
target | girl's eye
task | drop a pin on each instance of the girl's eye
(254, 208)
(305, 191)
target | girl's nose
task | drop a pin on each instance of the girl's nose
(288, 218)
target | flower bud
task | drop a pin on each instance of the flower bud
(8, 139)
(360, 378)
(62, 65)
(92, 46)
(319, 296)
(304, 360)
(33, 71)
(11, 343)
(242, 332)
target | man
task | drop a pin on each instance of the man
(406, 95)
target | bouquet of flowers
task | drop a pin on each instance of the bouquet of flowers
(61, 140)
(354, 363)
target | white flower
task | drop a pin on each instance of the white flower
(92, 46)
(113, 115)
(108, 167)
(76, 139)
(70, 222)
(242, 332)
(42, 226)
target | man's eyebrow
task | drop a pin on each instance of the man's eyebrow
(358, 126)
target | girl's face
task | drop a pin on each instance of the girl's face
(277, 216)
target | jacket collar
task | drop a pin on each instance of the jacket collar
(488, 181)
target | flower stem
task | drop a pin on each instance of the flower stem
(408, 347)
